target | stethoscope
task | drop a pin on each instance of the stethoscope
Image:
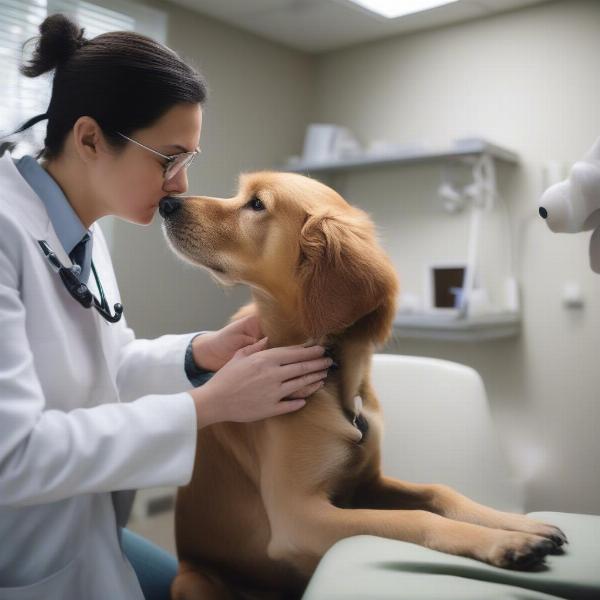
(77, 289)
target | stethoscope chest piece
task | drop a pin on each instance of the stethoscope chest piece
(77, 289)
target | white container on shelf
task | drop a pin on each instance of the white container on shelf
(319, 142)
(324, 142)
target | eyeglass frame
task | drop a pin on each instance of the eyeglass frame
(169, 158)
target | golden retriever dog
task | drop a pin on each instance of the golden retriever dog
(267, 499)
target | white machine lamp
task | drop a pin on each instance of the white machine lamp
(479, 196)
(573, 205)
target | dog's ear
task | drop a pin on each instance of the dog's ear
(345, 276)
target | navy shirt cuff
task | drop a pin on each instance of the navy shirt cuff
(196, 375)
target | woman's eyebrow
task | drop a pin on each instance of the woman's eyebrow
(179, 148)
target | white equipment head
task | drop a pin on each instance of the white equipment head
(573, 205)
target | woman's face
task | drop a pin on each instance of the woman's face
(132, 180)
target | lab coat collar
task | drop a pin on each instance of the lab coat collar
(21, 200)
(29, 210)
(63, 217)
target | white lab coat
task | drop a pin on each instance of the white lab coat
(86, 410)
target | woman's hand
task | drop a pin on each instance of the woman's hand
(213, 349)
(251, 386)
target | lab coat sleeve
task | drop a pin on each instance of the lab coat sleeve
(154, 366)
(48, 455)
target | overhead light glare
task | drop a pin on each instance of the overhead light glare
(393, 9)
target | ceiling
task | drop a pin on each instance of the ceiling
(323, 25)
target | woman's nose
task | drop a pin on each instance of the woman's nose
(177, 184)
(167, 206)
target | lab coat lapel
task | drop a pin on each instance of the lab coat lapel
(107, 331)
(25, 204)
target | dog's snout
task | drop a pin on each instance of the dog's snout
(167, 206)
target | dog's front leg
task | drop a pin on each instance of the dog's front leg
(387, 492)
(299, 475)
(304, 528)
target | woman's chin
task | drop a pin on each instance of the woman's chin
(141, 218)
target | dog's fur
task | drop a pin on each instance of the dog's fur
(267, 499)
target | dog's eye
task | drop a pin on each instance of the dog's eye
(256, 204)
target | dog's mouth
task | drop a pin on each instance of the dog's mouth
(186, 245)
(218, 273)
(214, 268)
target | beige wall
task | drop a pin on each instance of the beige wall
(260, 98)
(527, 80)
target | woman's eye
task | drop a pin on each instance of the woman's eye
(256, 204)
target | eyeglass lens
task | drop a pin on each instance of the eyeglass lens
(182, 161)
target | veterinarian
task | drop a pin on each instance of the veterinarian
(87, 412)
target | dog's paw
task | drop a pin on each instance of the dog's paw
(515, 550)
(516, 522)
(545, 530)
(553, 533)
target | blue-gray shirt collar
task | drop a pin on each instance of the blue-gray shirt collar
(64, 219)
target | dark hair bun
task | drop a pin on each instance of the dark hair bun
(60, 38)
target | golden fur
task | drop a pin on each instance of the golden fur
(267, 499)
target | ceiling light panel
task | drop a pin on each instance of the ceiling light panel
(393, 9)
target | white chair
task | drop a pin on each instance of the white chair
(438, 429)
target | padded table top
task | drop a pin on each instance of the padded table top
(372, 568)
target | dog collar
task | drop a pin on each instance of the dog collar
(357, 419)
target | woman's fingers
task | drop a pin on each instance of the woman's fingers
(253, 348)
(307, 391)
(287, 406)
(251, 326)
(290, 387)
(294, 354)
(303, 368)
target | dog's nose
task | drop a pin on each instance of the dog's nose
(167, 206)
(543, 212)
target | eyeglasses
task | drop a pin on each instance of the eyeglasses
(78, 290)
(175, 162)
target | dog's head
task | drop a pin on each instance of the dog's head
(297, 241)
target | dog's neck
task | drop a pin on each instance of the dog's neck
(283, 328)
(351, 350)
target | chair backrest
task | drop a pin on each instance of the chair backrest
(438, 429)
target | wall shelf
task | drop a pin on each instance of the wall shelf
(455, 328)
(466, 149)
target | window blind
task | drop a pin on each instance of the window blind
(22, 97)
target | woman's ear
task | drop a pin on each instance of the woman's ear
(344, 276)
(87, 138)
